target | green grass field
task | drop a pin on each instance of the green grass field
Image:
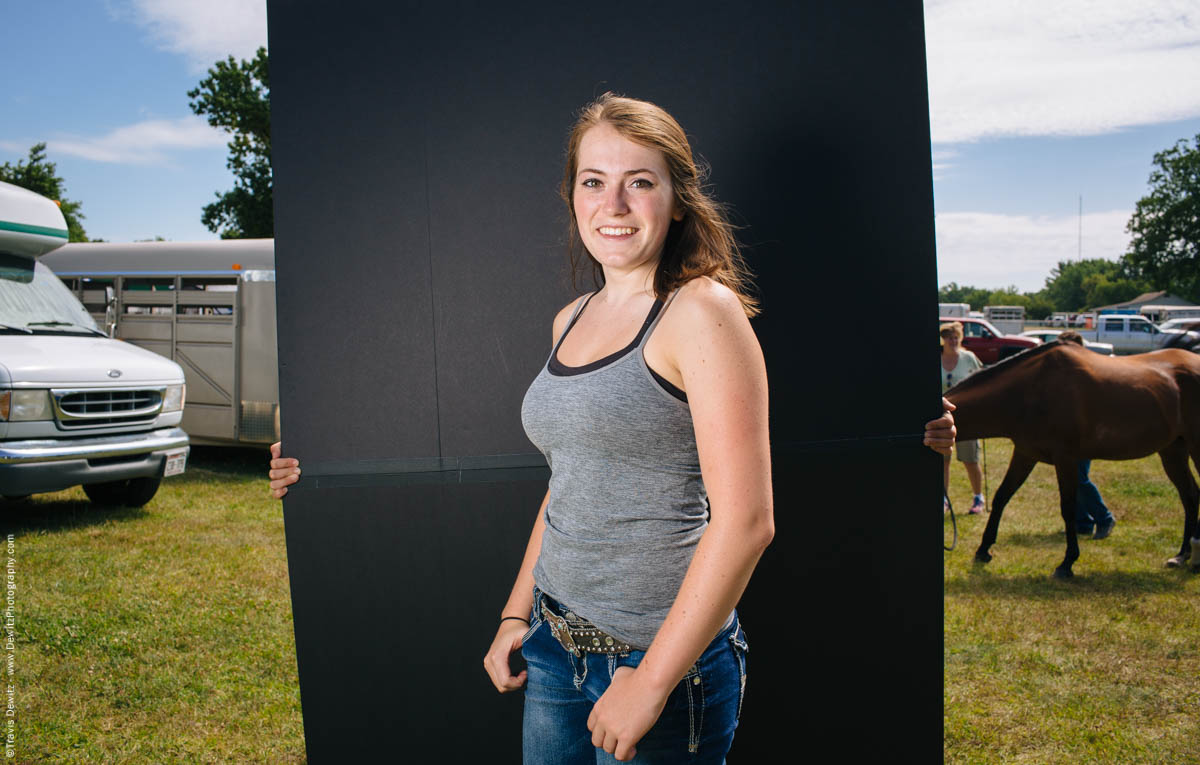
(164, 634)
(1104, 668)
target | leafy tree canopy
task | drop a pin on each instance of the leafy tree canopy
(1165, 226)
(41, 177)
(1076, 285)
(954, 293)
(237, 98)
(1071, 286)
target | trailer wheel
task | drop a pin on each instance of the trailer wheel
(131, 492)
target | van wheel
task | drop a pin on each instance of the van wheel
(131, 492)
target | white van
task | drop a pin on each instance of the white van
(208, 306)
(76, 407)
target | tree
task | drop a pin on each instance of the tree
(41, 177)
(1039, 306)
(237, 98)
(1165, 226)
(1075, 285)
(977, 297)
(1102, 290)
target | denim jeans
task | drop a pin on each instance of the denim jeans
(1090, 510)
(696, 725)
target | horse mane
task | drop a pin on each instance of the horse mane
(987, 373)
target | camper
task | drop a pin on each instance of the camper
(76, 407)
(208, 306)
(1161, 313)
(959, 310)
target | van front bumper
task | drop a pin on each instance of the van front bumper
(52, 464)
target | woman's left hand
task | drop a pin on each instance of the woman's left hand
(624, 713)
(940, 433)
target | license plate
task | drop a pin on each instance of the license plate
(175, 463)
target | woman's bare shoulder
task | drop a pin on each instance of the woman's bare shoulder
(561, 319)
(705, 302)
(706, 321)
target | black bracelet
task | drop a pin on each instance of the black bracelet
(518, 618)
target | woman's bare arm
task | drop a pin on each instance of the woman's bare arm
(722, 367)
(520, 600)
(508, 636)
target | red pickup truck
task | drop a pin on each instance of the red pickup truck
(987, 342)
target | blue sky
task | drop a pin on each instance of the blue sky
(1030, 107)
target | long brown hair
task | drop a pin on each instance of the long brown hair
(702, 244)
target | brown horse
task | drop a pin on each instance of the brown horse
(1060, 404)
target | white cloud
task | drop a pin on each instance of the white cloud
(941, 161)
(142, 143)
(204, 31)
(991, 250)
(1068, 67)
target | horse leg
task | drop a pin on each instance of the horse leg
(1018, 470)
(1068, 483)
(1193, 445)
(1175, 462)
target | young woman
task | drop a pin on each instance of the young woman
(652, 413)
(957, 365)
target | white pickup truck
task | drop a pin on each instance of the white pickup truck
(1130, 333)
(76, 407)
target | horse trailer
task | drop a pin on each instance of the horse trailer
(208, 306)
(1009, 319)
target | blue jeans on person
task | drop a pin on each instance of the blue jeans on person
(696, 725)
(1090, 510)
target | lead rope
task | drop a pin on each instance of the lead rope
(986, 506)
(953, 523)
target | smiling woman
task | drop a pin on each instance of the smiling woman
(623, 214)
(654, 424)
(630, 584)
(702, 244)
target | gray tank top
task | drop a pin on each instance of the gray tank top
(627, 503)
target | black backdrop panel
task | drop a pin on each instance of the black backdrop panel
(357, 358)
(420, 239)
(396, 654)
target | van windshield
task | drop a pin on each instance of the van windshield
(33, 300)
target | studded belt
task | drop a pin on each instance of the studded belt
(579, 636)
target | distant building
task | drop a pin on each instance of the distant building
(1162, 297)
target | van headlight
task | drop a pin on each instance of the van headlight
(173, 398)
(25, 405)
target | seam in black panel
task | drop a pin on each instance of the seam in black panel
(437, 396)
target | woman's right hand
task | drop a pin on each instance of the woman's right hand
(504, 645)
(285, 471)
